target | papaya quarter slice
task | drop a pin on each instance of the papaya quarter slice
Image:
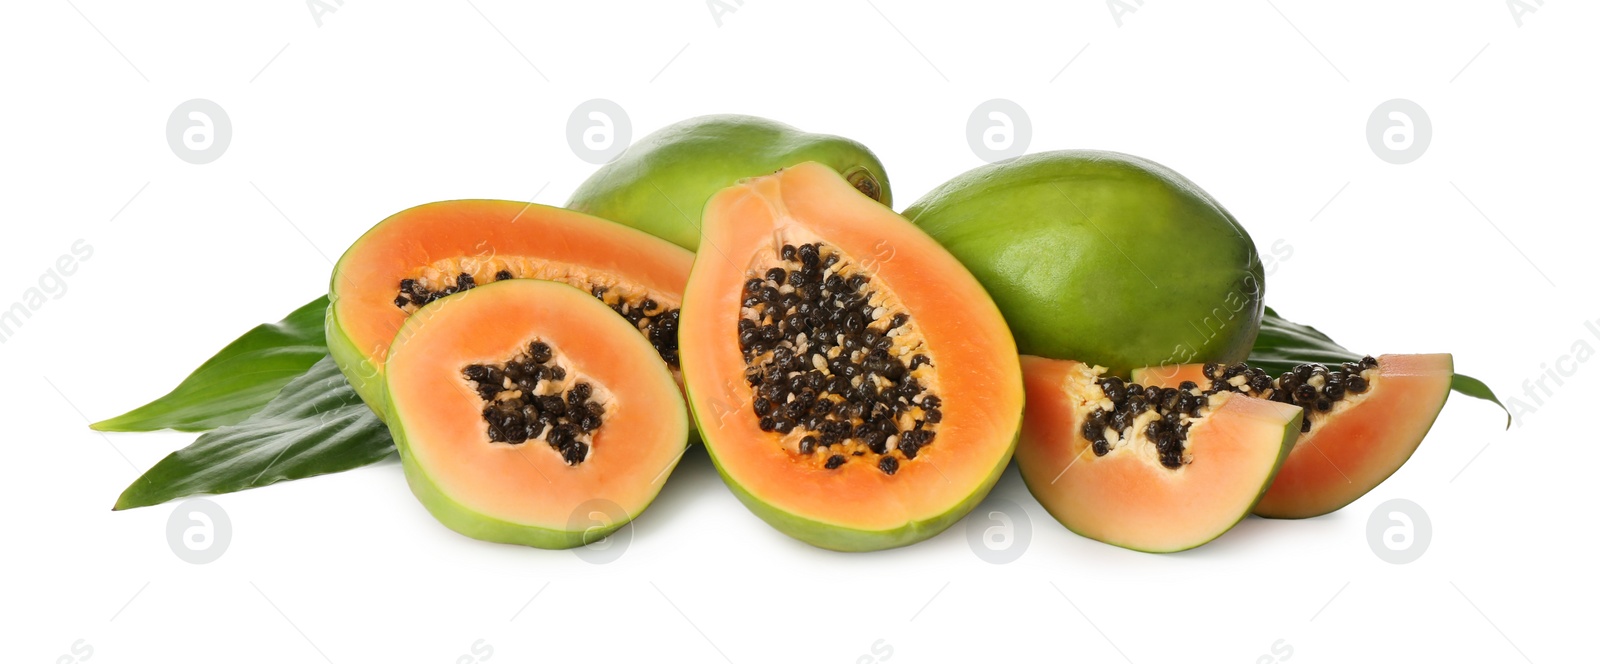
(1146, 468)
(1363, 420)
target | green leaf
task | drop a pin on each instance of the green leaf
(315, 426)
(238, 380)
(1475, 388)
(1282, 345)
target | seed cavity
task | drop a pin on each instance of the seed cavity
(534, 397)
(1163, 416)
(836, 364)
(656, 321)
(1315, 388)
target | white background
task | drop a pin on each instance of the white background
(1479, 248)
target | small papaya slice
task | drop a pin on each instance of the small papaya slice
(1145, 468)
(522, 407)
(854, 385)
(430, 251)
(1363, 420)
(661, 183)
(1103, 258)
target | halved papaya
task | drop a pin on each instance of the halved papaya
(430, 251)
(1146, 468)
(520, 407)
(1363, 420)
(854, 385)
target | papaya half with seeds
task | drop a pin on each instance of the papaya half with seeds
(854, 385)
(434, 250)
(661, 183)
(1104, 258)
(528, 412)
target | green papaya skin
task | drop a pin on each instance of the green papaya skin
(1103, 257)
(660, 183)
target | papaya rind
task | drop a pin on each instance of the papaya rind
(478, 526)
(844, 538)
(363, 376)
(661, 182)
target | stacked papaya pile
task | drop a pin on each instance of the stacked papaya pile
(860, 377)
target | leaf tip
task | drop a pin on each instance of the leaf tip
(130, 497)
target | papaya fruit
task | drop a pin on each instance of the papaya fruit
(430, 251)
(855, 387)
(522, 408)
(1104, 258)
(661, 183)
(1147, 468)
(1363, 420)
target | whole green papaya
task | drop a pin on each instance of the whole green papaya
(661, 182)
(1103, 257)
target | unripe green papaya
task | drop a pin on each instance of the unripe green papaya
(661, 182)
(1102, 257)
